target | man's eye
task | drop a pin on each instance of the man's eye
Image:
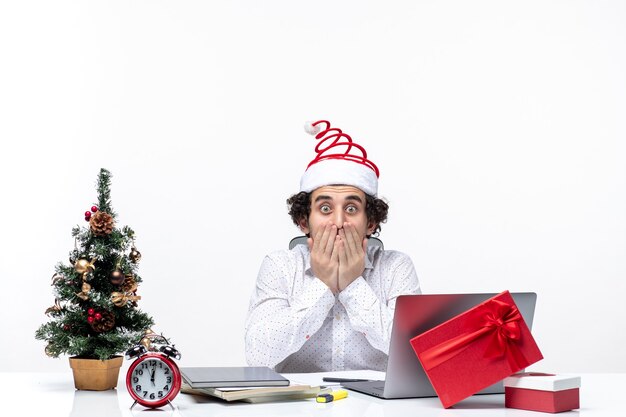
(351, 209)
(325, 209)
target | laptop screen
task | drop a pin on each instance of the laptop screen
(415, 314)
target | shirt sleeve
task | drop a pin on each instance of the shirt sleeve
(372, 314)
(279, 323)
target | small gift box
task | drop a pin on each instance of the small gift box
(542, 392)
(476, 349)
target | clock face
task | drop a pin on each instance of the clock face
(153, 380)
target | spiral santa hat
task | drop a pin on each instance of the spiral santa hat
(339, 161)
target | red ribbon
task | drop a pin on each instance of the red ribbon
(495, 319)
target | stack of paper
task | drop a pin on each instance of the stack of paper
(251, 384)
(259, 394)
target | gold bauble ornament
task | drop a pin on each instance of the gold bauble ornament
(83, 265)
(135, 255)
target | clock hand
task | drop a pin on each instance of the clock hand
(152, 377)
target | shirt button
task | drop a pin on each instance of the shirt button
(338, 317)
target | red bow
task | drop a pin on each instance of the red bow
(495, 319)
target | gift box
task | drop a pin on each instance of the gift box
(548, 393)
(476, 349)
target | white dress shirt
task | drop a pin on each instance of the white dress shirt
(296, 324)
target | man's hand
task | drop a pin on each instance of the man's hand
(351, 252)
(324, 256)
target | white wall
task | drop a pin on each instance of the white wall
(498, 127)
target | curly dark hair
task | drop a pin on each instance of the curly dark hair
(375, 209)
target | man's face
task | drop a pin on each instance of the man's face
(337, 204)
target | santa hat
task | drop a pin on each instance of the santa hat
(339, 161)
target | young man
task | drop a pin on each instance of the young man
(328, 305)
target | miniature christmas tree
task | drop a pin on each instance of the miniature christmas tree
(95, 313)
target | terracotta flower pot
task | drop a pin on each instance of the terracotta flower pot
(94, 374)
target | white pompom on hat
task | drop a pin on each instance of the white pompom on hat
(331, 166)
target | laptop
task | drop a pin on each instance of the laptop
(414, 314)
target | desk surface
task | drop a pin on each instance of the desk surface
(53, 394)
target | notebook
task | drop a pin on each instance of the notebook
(260, 394)
(238, 376)
(414, 314)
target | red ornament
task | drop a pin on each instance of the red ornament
(66, 327)
(98, 316)
(88, 213)
(90, 319)
(91, 311)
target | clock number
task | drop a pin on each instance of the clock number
(169, 379)
(145, 393)
(138, 388)
(166, 388)
(135, 379)
(167, 371)
(160, 394)
(152, 396)
(138, 372)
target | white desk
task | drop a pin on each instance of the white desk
(53, 394)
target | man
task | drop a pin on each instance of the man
(328, 305)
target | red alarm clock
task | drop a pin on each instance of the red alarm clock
(153, 379)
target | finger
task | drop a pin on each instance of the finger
(309, 242)
(317, 239)
(346, 245)
(323, 238)
(340, 251)
(364, 245)
(331, 240)
(354, 238)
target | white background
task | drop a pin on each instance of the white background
(498, 127)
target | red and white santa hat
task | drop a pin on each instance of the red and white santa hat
(339, 161)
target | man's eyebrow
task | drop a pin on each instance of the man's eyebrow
(355, 198)
(322, 197)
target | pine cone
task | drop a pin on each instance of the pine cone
(101, 224)
(106, 323)
(129, 285)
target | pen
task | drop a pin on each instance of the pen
(333, 396)
(333, 379)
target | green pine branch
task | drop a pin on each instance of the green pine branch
(103, 186)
